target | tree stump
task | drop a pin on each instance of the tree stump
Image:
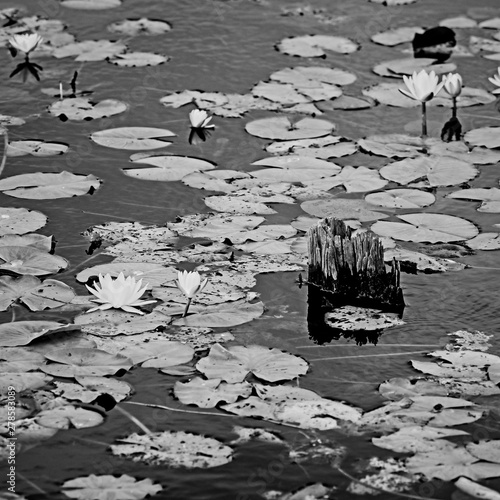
(352, 269)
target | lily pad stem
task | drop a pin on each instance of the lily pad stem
(187, 307)
(424, 121)
(133, 419)
(5, 147)
(454, 108)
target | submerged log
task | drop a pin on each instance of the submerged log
(352, 269)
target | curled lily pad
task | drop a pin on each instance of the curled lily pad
(283, 128)
(20, 220)
(132, 137)
(29, 260)
(20, 333)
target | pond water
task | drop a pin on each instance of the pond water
(229, 46)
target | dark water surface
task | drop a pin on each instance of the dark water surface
(228, 46)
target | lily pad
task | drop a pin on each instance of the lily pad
(90, 50)
(393, 145)
(401, 198)
(22, 382)
(137, 59)
(396, 36)
(317, 45)
(36, 148)
(307, 75)
(209, 393)
(438, 170)
(485, 241)
(48, 186)
(82, 108)
(488, 137)
(428, 227)
(29, 260)
(91, 4)
(235, 363)
(33, 293)
(66, 417)
(349, 318)
(283, 128)
(142, 26)
(354, 180)
(20, 221)
(132, 137)
(19, 333)
(489, 196)
(174, 449)
(396, 68)
(343, 208)
(81, 361)
(166, 168)
(90, 388)
(104, 487)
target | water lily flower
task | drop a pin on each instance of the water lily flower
(25, 43)
(189, 283)
(199, 119)
(495, 80)
(453, 84)
(120, 293)
(422, 87)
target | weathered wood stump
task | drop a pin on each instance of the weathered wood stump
(352, 269)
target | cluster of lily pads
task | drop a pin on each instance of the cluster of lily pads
(58, 366)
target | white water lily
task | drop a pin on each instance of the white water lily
(453, 84)
(120, 293)
(189, 283)
(495, 80)
(25, 43)
(199, 119)
(422, 86)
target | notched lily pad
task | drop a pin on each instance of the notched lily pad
(82, 108)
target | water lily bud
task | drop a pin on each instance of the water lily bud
(495, 80)
(25, 43)
(189, 283)
(199, 119)
(421, 86)
(453, 84)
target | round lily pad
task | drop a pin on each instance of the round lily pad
(132, 137)
(401, 198)
(142, 26)
(29, 260)
(316, 45)
(91, 4)
(398, 67)
(343, 208)
(81, 108)
(306, 75)
(396, 36)
(137, 59)
(20, 220)
(488, 137)
(283, 128)
(36, 148)
(427, 227)
(45, 186)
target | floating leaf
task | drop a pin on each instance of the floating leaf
(172, 354)
(316, 45)
(35, 148)
(105, 487)
(422, 262)
(81, 108)
(22, 381)
(222, 315)
(354, 180)
(398, 67)
(393, 37)
(458, 22)
(488, 137)
(14, 359)
(393, 145)
(343, 208)
(137, 59)
(29, 260)
(80, 361)
(476, 490)
(174, 449)
(398, 388)
(489, 196)
(33, 293)
(485, 241)
(132, 137)
(301, 76)
(235, 363)
(91, 4)
(349, 318)
(20, 220)
(65, 417)
(90, 50)
(237, 205)
(439, 171)
(282, 128)
(167, 168)
(48, 186)
(90, 388)
(209, 393)
(142, 26)
(401, 198)
(429, 227)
